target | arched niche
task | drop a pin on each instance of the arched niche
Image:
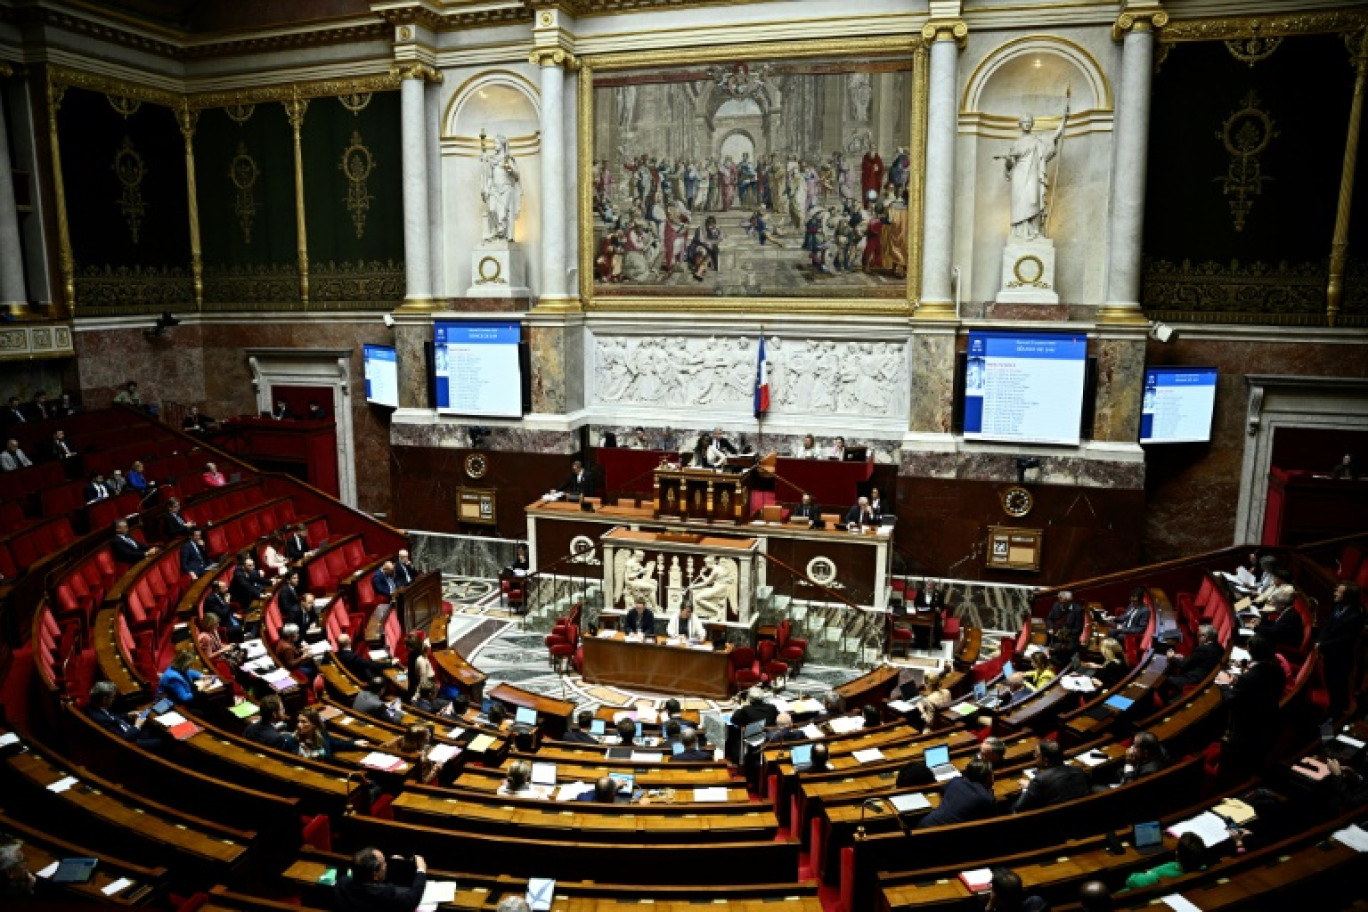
(497, 101)
(1029, 75)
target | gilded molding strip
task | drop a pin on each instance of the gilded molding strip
(1339, 245)
(187, 120)
(1229, 28)
(238, 99)
(916, 188)
(295, 109)
(584, 149)
(108, 85)
(789, 50)
(55, 91)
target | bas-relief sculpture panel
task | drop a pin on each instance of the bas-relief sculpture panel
(808, 377)
(778, 179)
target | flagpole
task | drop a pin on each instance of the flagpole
(761, 377)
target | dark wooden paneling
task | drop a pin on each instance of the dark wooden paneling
(943, 524)
(425, 479)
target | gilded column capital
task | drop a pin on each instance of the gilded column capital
(553, 56)
(412, 69)
(1139, 20)
(956, 30)
(187, 118)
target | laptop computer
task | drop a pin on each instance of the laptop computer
(74, 870)
(801, 756)
(1148, 838)
(625, 782)
(937, 760)
(1007, 669)
(525, 715)
(598, 727)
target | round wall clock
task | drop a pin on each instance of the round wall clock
(1017, 501)
(476, 465)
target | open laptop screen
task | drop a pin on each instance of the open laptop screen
(936, 756)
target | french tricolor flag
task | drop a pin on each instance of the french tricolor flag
(762, 390)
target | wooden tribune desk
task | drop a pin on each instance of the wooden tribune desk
(655, 666)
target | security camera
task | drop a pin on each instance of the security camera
(389, 320)
(1162, 332)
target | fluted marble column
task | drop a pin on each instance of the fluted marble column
(554, 267)
(937, 299)
(13, 291)
(1126, 225)
(413, 129)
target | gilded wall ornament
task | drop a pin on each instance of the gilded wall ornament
(240, 113)
(243, 172)
(129, 168)
(1246, 134)
(125, 106)
(1254, 49)
(357, 164)
(355, 102)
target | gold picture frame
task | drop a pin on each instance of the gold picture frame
(478, 506)
(1012, 548)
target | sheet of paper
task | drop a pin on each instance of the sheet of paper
(647, 757)
(481, 743)
(1353, 836)
(8, 738)
(171, 719)
(379, 761)
(544, 773)
(843, 725)
(715, 793)
(1239, 654)
(812, 732)
(782, 705)
(1077, 683)
(901, 706)
(118, 886)
(322, 647)
(1208, 826)
(244, 710)
(61, 785)
(868, 755)
(1092, 758)
(913, 801)
(441, 753)
(439, 891)
(1236, 811)
(1355, 743)
(541, 891)
(807, 706)
(48, 871)
(1177, 903)
(570, 791)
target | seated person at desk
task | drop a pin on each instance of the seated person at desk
(175, 523)
(126, 549)
(1144, 757)
(860, 514)
(248, 583)
(808, 449)
(384, 582)
(1198, 664)
(217, 602)
(604, 791)
(673, 734)
(266, 730)
(1041, 674)
(1016, 690)
(292, 656)
(96, 489)
(755, 710)
(1190, 857)
(639, 620)
(821, 758)
(579, 483)
(195, 423)
(521, 563)
(785, 730)
(639, 440)
(427, 700)
(1114, 668)
(1135, 617)
(1054, 781)
(371, 702)
(362, 668)
(579, 731)
(129, 727)
(179, 680)
(929, 597)
(719, 448)
(691, 753)
(1282, 623)
(626, 732)
(273, 559)
(837, 451)
(315, 741)
(519, 781)
(915, 772)
(1274, 579)
(212, 645)
(806, 509)
(194, 557)
(291, 603)
(684, 624)
(297, 545)
(966, 797)
(212, 476)
(365, 889)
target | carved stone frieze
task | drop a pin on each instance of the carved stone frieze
(134, 289)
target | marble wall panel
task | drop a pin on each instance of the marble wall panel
(547, 344)
(463, 555)
(410, 345)
(169, 367)
(1120, 372)
(933, 377)
(52, 376)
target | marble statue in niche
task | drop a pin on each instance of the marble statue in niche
(636, 578)
(1027, 167)
(715, 590)
(500, 189)
(807, 376)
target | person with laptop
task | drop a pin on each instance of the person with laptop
(579, 731)
(1190, 857)
(1134, 619)
(785, 730)
(965, 797)
(1041, 674)
(916, 772)
(1016, 690)
(691, 752)
(807, 510)
(1054, 781)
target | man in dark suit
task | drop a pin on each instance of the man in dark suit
(38, 409)
(1199, 663)
(96, 490)
(384, 582)
(365, 889)
(282, 411)
(59, 448)
(247, 584)
(966, 797)
(639, 619)
(128, 727)
(175, 524)
(929, 597)
(362, 668)
(12, 414)
(579, 732)
(878, 506)
(860, 514)
(126, 549)
(297, 545)
(1135, 617)
(579, 483)
(1339, 639)
(755, 710)
(1054, 782)
(194, 557)
(404, 570)
(264, 731)
(288, 601)
(691, 753)
(806, 509)
(217, 602)
(1252, 702)
(785, 730)
(1286, 628)
(1065, 625)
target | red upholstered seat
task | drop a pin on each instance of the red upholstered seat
(775, 672)
(792, 650)
(743, 667)
(563, 652)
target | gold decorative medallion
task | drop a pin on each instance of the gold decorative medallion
(240, 113)
(243, 172)
(1245, 135)
(476, 465)
(357, 164)
(355, 102)
(128, 167)
(126, 107)
(1017, 501)
(1028, 270)
(491, 271)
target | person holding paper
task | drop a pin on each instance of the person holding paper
(1190, 857)
(366, 889)
(1134, 618)
(177, 683)
(293, 657)
(129, 727)
(684, 624)
(1054, 781)
(968, 796)
(860, 514)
